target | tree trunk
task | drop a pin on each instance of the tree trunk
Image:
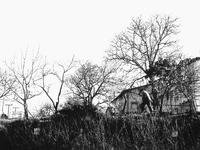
(161, 102)
(125, 102)
(25, 110)
(154, 92)
(56, 108)
(192, 107)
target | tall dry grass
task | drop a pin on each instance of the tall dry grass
(105, 133)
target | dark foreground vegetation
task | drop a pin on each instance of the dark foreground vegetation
(101, 132)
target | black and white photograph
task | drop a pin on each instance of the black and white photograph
(99, 75)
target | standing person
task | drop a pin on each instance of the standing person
(146, 100)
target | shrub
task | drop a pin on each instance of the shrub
(5, 143)
(78, 110)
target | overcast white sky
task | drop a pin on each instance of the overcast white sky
(85, 27)
(61, 28)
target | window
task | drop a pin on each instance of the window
(134, 106)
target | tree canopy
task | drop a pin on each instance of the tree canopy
(91, 82)
(140, 46)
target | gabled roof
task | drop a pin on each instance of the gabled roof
(129, 90)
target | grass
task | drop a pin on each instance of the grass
(105, 133)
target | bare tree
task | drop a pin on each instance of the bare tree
(92, 82)
(25, 72)
(6, 84)
(58, 72)
(138, 48)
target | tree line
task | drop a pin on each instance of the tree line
(29, 78)
(146, 50)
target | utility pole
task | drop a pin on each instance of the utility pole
(3, 106)
(15, 110)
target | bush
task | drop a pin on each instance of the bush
(79, 110)
(5, 143)
(4, 116)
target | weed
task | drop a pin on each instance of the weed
(106, 133)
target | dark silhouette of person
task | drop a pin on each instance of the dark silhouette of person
(146, 100)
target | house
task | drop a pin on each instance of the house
(128, 100)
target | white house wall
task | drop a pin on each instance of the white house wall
(119, 104)
(196, 66)
(133, 102)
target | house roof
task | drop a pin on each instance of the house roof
(128, 90)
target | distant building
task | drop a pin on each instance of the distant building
(128, 100)
(195, 65)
